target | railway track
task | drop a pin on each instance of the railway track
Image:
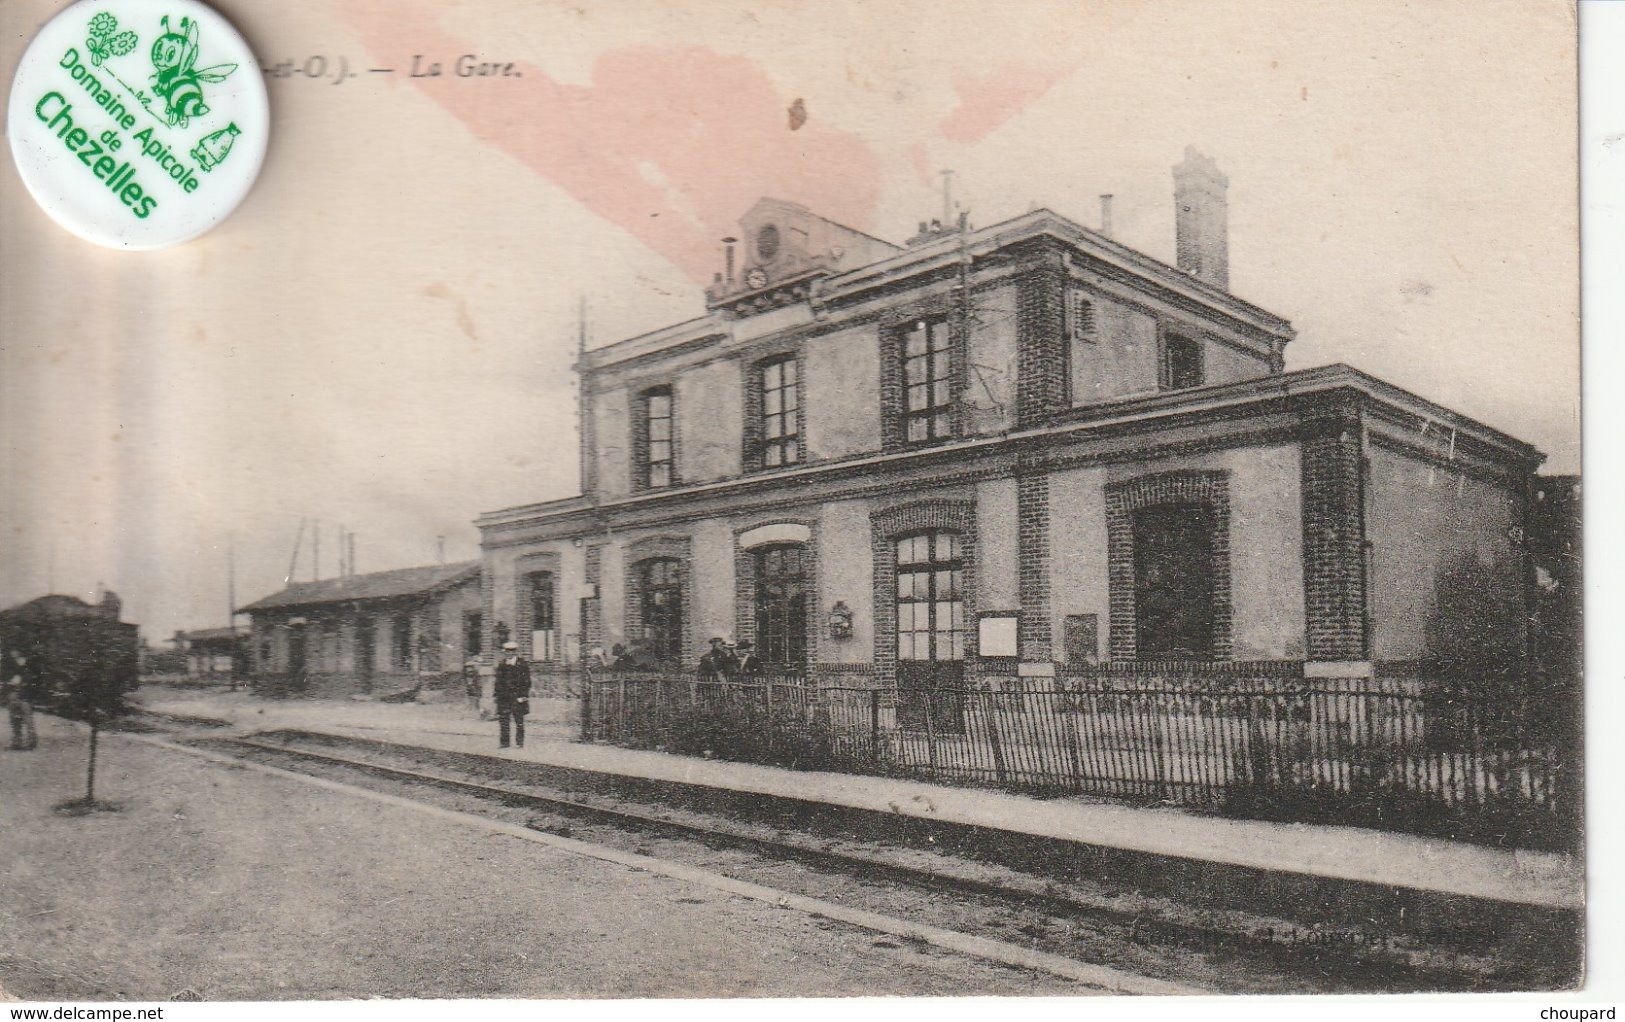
(930, 890)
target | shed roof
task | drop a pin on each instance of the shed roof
(377, 585)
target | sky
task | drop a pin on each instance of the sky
(380, 338)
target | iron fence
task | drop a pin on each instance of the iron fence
(1487, 764)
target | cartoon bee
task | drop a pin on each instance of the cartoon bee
(106, 40)
(175, 79)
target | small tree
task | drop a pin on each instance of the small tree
(93, 677)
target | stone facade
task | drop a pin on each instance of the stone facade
(1063, 430)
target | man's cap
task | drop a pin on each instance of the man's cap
(510, 645)
(747, 644)
(718, 638)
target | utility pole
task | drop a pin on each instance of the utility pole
(315, 550)
(583, 404)
(231, 608)
(293, 561)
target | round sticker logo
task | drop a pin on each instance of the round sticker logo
(138, 124)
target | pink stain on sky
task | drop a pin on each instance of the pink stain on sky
(672, 144)
(987, 101)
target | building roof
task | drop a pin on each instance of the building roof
(377, 585)
(950, 248)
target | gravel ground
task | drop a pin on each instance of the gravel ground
(241, 886)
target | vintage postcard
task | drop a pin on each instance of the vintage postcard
(777, 499)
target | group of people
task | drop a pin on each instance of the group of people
(727, 662)
(724, 661)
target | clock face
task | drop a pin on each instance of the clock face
(756, 277)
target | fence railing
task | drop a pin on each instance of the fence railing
(1400, 753)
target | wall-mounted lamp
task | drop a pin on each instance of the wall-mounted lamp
(840, 621)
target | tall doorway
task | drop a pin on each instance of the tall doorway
(931, 632)
(781, 606)
(1173, 582)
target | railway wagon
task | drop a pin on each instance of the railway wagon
(81, 651)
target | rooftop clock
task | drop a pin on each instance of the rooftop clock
(755, 277)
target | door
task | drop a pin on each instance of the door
(364, 651)
(781, 607)
(931, 632)
(297, 678)
(1173, 582)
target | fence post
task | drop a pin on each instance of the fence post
(874, 724)
(1062, 705)
(586, 703)
(990, 712)
(930, 733)
(620, 705)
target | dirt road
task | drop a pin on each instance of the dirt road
(241, 886)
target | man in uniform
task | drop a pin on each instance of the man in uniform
(512, 694)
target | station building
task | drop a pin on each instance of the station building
(1006, 449)
(378, 632)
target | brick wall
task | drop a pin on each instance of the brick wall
(593, 575)
(1041, 344)
(1334, 535)
(1122, 500)
(1032, 530)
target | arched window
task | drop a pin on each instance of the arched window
(660, 601)
(781, 604)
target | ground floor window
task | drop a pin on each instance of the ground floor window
(473, 633)
(660, 603)
(781, 604)
(544, 624)
(930, 603)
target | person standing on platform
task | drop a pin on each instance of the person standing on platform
(512, 695)
(17, 691)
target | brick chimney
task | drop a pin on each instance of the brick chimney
(1201, 218)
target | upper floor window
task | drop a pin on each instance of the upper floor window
(781, 410)
(1181, 362)
(927, 381)
(656, 422)
(1080, 317)
(1081, 331)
